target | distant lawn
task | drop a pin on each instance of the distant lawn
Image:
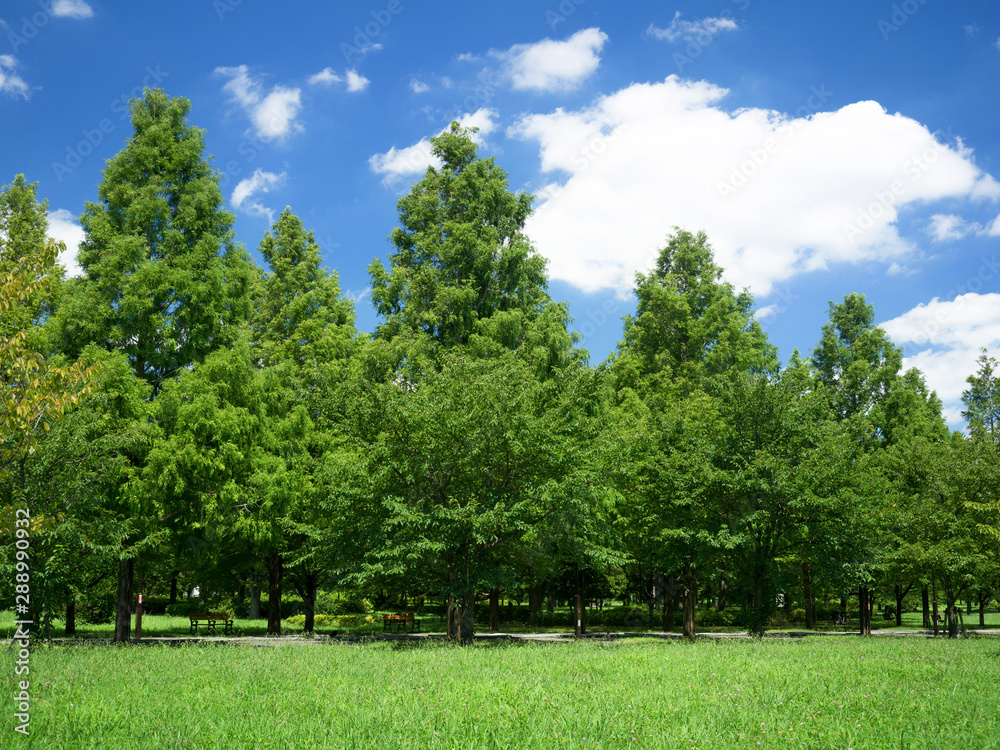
(813, 693)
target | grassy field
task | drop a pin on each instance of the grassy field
(811, 693)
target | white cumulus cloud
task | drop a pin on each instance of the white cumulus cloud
(259, 182)
(699, 32)
(948, 335)
(418, 87)
(71, 9)
(778, 194)
(355, 81)
(550, 66)
(63, 228)
(272, 114)
(398, 163)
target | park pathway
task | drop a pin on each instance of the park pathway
(561, 637)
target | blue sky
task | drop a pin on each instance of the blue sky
(826, 148)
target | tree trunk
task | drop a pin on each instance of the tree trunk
(808, 596)
(669, 595)
(690, 595)
(651, 603)
(451, 620)
(864, 610)
(173, 587)
(254, 613)
(70, 617)
(494, 611)
(274, 595)
(925, 599)
(935, 603)
(720, 603)
(950, 612)
(968, 605)
(123, 608)
(551, 599)
(982, 609)
(757, 611)
(309, 601)
(535, 596)
(900, 593)
(468, 617)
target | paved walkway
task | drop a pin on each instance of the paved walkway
(567, 637)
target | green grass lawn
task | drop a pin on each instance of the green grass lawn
(810, 693)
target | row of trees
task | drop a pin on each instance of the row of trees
(181, 411)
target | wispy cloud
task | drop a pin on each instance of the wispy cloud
(71, 9)
(10, 82)
(325, 77)
(699, 32)
(418, 87)
(328, 77)
(951, 227)
(273, 115)
(259, 182)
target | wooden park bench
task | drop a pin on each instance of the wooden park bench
(210, 620)
(400, 620)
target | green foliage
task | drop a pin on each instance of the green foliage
(23, 234)
(163, 281)
(320, 621)
(689, 325)
(463, 273)
(982, 400)
(185, 607)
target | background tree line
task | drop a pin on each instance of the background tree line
(181, 412)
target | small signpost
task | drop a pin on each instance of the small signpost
(578, 614)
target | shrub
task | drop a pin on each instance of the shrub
(97, 610)
(185, 607)
(355, 606)
(318, 620)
